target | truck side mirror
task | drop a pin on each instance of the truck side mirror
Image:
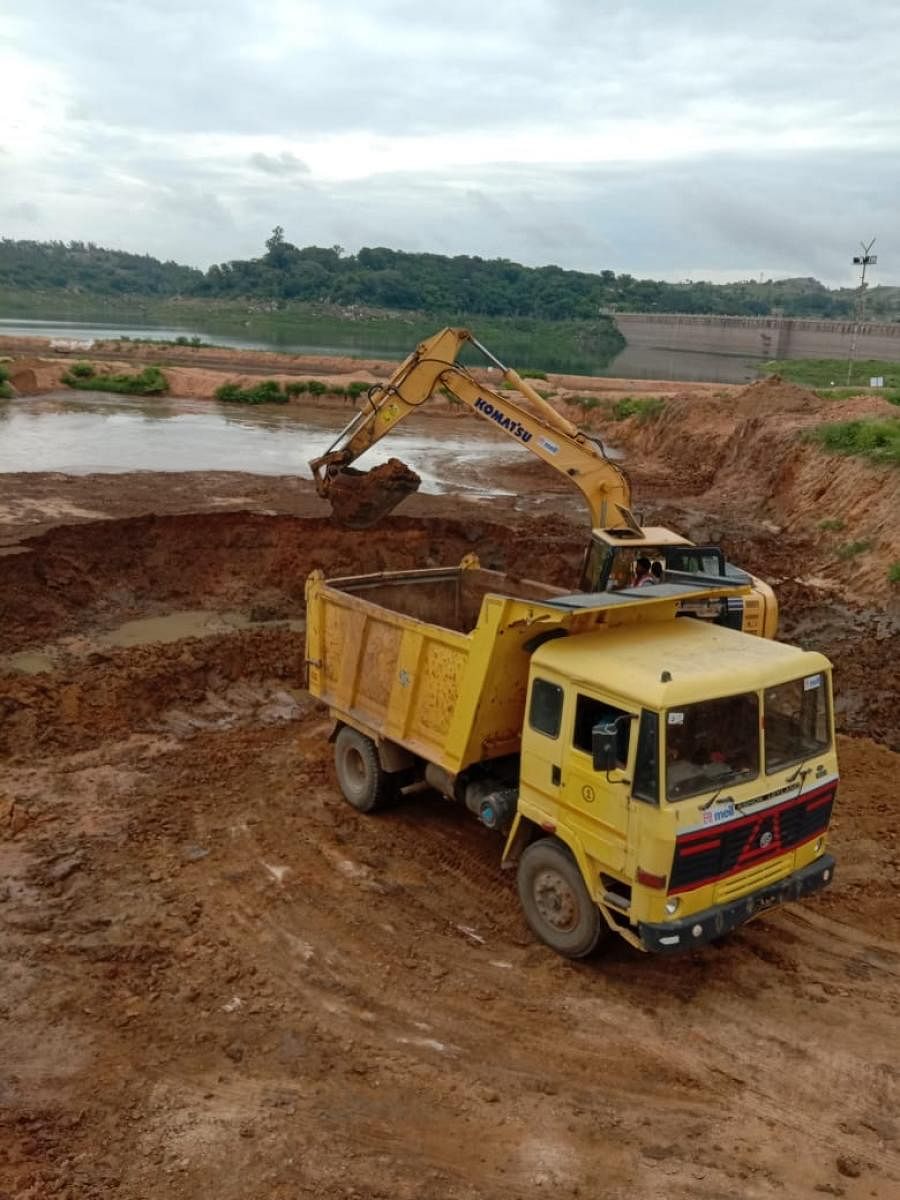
(604, 747)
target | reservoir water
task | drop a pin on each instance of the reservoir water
(634, 362)
(84, 432)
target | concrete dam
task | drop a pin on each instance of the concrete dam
(729, 349)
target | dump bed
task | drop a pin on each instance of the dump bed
(437, 660)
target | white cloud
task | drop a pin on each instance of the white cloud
(661, 139)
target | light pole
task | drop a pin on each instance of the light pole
(866, 259)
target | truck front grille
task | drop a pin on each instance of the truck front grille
(706, 856)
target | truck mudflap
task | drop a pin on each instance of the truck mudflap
(669, 937)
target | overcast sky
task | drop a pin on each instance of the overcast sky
(668, 138)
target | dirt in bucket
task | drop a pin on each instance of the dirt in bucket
(360, 499)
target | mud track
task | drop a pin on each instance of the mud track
(220, 980)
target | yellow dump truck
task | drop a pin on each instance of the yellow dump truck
(656, 776)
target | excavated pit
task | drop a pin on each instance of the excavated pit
(90, 615)
(99, 621)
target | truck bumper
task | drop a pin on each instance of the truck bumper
(669, 937)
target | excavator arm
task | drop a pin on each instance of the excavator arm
(361, 499)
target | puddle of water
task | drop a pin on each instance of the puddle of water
(85, 432)
(28, 662)
(177, 625)
(143, 632)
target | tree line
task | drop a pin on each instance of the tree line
(378, 277)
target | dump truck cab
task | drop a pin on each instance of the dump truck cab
(690, 772)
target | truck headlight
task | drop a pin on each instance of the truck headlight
(672, 906)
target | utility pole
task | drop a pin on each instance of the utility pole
(866, 259)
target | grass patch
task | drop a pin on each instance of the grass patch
(893, 573)
(149, 382)
(832, 372)
(852, 549)
(588, 403)
(892, 395)
(267, 391)
(877, 440)
(270, 391)
(645, 408)
(181, 340)
(831, 525)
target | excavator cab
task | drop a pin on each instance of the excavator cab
(610, 565)
(609, 562)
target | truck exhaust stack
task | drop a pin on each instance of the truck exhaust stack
(359, 499)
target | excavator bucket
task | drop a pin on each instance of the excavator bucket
(360, 499)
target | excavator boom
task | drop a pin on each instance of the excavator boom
(360, 499)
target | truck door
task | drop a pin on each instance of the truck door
(594, 804)
(542, 744)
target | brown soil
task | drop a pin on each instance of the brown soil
(749, 456)
(219, 980)
(360, 499)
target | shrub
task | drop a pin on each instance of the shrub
(851, 549)
(586, 402)
(357, 388)
(315, 387)
(5, 387)
(875, 439)
(831, 525)
(296, 387)
(645, 408)
(894, 572)
(267, 391)
(149, 382)
(526, 373)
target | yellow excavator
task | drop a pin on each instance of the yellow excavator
(360, 499)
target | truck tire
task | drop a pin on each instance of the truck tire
(555, 900)
(363, 780)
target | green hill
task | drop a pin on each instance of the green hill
(381, 278)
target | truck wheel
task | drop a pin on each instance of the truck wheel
(555, 901)
(363, 780)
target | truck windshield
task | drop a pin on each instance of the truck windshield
(711, 745)
(796, 721)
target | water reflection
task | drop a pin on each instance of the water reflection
(356, 339)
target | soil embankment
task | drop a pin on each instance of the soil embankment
(748, 458)
(220, 980)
